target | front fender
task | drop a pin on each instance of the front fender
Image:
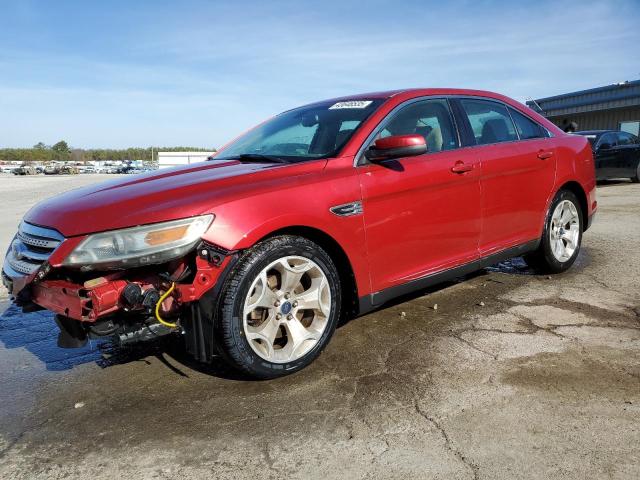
(242, 223)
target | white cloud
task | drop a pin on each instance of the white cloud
(202, 74)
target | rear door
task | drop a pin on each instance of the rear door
(628, 153)
(421, 214)
(518, 160)
(606, 153)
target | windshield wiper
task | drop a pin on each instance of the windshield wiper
(256, 157)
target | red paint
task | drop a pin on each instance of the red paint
(75, 301)
(429, 213)
(399, 141)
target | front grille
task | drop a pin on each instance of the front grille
(31, 247)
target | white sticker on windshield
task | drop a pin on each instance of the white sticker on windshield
(351, 104)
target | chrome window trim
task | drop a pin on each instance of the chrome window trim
(359, 159)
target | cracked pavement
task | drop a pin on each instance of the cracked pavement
(513, 376)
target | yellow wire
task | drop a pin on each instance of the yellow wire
(159, 304)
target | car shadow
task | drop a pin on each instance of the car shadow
(512, 266)
(614, 182)
(37, 333)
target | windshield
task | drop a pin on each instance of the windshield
(306, 133)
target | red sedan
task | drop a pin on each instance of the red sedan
(323, 211)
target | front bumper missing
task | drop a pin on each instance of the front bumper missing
(101, 297)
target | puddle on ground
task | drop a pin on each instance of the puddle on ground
(513, 266)
(37, 333)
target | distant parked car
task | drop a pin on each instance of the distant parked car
(57, 169)
(125, 169)
(25, 170)
(69, 170)
(617, 154)
(52, 169)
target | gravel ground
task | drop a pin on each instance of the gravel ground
(512, 376)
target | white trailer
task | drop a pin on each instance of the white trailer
(174, 159)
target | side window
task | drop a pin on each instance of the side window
(526, 127)
(430, 118)
(625, 138)
(490, 121)
(608, 140)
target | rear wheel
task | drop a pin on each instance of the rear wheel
(280, 307)
(561, 237)
(636, 178)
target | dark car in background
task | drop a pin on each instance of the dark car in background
(617, 154)
(25, 170)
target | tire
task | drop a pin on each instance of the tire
(559, 246)
(636, 178)
(262, 309)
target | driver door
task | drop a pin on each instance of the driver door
(421, 213)
(606, 157)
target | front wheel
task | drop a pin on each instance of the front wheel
(561, 237)
(279, 308)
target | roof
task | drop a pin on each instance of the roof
(618, 95)
(411, 92)
(593, 132)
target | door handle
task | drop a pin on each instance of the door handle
(543, 155)
(461, 167)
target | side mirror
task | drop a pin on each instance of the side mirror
(604, 146)
(396, 146)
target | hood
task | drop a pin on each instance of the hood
(159, 196)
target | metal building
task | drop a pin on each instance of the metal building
(173, 159)
(614, 107)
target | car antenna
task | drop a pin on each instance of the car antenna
(537, 105)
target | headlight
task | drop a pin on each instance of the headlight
(138, 246)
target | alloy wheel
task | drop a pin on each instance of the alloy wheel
(564, 231)
(287, 309)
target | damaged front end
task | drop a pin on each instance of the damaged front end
(133, 284)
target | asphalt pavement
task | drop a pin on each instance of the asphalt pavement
(501, 375)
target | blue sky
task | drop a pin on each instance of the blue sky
(139, 73)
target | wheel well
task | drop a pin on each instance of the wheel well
(335, 251)
(578, 191)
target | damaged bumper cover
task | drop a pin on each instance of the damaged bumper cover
(36, 253)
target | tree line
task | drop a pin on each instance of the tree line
(62, 152)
